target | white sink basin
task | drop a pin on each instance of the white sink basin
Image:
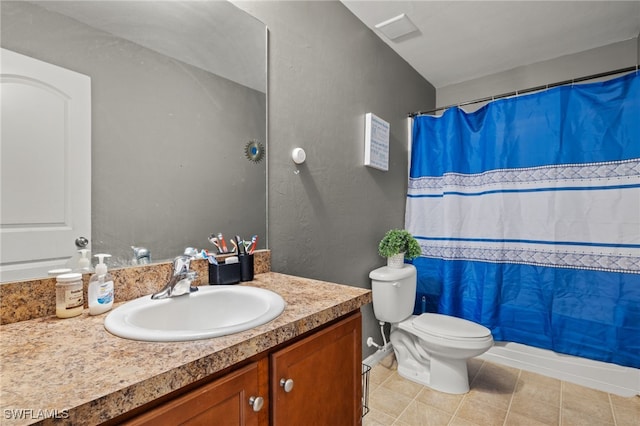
(210, 312)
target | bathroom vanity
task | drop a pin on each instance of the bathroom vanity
(318, 378)
(305, 364)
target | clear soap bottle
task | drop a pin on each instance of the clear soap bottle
(100, 293)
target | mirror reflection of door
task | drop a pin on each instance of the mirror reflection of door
(46, 165)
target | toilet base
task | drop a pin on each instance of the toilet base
(415, 363)
(450, 376)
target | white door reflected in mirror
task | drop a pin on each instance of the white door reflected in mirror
(46, 165)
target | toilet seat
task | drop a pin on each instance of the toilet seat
(448, 327)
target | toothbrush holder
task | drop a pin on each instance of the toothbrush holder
(246, 267)
(224, 273)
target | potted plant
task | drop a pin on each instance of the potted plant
(397, 245)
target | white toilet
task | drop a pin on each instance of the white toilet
(431, 349)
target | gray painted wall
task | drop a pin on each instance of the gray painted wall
(602, 59)
(168, 165)
(326, 70)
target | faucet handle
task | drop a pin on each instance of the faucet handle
(141, 255)
(190, 251)
(181, 264)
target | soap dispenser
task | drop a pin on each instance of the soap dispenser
(80, 261)
(84, 264)
(100, 292)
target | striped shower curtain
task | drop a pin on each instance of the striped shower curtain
(528, 214)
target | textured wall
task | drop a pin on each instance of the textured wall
(326, 70)
(602, 59)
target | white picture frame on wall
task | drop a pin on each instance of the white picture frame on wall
(376, 142)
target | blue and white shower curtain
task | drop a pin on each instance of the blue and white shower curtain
(528, 214)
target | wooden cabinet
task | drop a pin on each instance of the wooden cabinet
(317, 381)
(232, 400)
(314, 381)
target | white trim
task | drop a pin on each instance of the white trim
(375, 358)
(606, 377)
(409, 143)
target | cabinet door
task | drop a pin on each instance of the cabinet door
(224, 402)
(317, 381)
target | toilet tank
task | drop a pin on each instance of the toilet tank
(394, 292)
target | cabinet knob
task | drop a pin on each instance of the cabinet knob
(256, 402)
(287, 384)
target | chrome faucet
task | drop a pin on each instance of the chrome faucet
(181, 281)
(141, 256)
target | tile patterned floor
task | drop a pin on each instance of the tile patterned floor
(499, 395)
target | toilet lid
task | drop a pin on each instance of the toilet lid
(447, 326)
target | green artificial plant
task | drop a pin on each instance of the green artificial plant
(398, 241)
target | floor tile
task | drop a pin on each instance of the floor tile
(477, 411)
(419, 414)
(540, 411)
(583, 403)
(539, 379)
(377, 418)
(443, 401)
(378, 375)
(626, 411)
(573, 391)
(515, 419)
(496, 378)
(459, 421)
(499, 395)
(539, 388)
(388, 402)
(402, 386)
(576, 417)
(493, 385)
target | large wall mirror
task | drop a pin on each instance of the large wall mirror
(178, 90)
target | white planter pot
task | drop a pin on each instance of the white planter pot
(396, 261)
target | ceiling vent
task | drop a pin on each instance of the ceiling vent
(397, 27)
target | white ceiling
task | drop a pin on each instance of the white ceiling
(463, 40)
(216, 36)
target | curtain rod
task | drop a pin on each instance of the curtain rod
(531, 89)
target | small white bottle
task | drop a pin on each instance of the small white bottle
(80, 262)
(100, 292)
(69, 297)
(84, 264)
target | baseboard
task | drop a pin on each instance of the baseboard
(378, 356)
(611, 378)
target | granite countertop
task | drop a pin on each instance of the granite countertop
(75, 369)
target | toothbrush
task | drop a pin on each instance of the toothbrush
(214, 241)
(254, 242)
(240, 245)
(235, 247)
(223, 243)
